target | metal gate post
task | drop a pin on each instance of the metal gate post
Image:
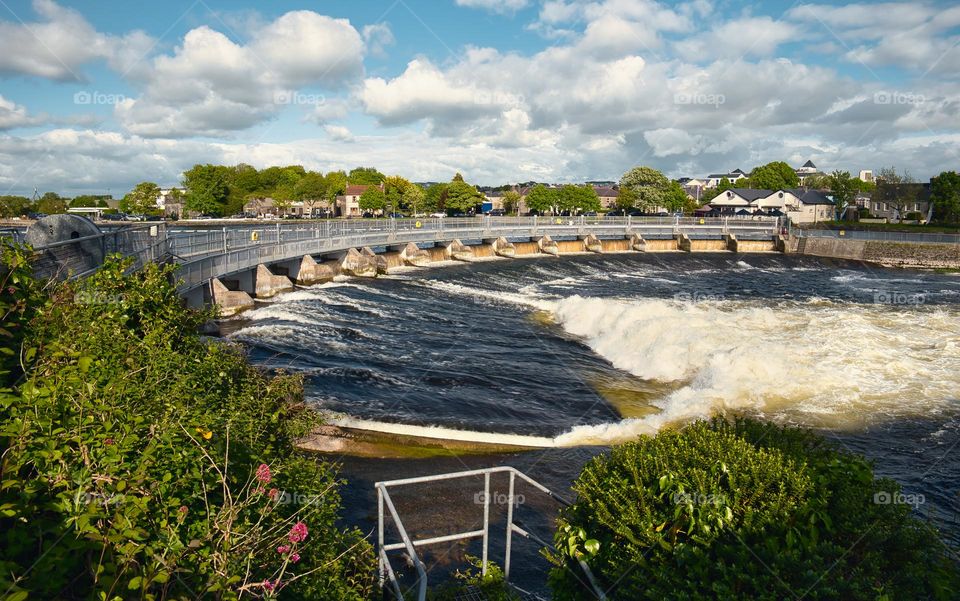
(506, 560)
(486, 521)
(381, 569)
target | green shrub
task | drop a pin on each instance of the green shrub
(744, 510)
(141, 460)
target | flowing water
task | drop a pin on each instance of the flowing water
(568, 355)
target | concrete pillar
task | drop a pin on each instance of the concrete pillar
(411, 254)
(357, 264)
(269, 284)
(502, 247)
(380, 261)
(683, 242)
(230, 302)
(311, 272)
(638, 243)
(732, 244)
(455, 249)
(592, 243)
(548, 246)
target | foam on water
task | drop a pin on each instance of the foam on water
(773, 359)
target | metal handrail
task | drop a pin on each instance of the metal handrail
(385, 569)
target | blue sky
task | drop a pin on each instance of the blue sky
(98, 96)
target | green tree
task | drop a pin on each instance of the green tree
(142, 199)
(336, 185)
(650, 185)
(207, 189)
(677, 200)
(844, 189)
(945, 196)
(744, 510)
(774, 176)
(511, 201)
(365, 176)
(372, 199)
(725, 184)
(14, 206)
(542, 199)
(413, 198)
(395, 190)
(435, 199)
(311, 190)
(578, 198)
(626, 198)
(461, 196)
(52, 204)
(85, 201)
(893, 191)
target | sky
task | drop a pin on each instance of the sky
(98, 95)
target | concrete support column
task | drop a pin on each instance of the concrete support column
(547, 245)
(230, 302)
(456, 249)
(637, 242)
(268, 284)
(592, 243)
(380, 261)
(502, 247)
(732, 244)
(357, 264)
(684, 243)
(411, 254)
(311, 272)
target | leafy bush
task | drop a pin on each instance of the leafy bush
(141, 460)
(744, 510)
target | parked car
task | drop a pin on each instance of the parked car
(617, 213)
(396, 216)
(590, 214)
(497, 213)
(438, 215)
(112, 216)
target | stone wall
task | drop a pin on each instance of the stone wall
(892, 254)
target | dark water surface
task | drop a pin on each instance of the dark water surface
(582, 352)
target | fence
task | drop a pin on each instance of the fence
(408, 544)
(80, 257)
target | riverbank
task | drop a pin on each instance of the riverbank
(908, 255)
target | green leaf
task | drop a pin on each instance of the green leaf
(592, 546)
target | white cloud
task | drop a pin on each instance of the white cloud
(338, 133)
(13, 115)
(377, 37)
(211, 85)
(750, 36)
(61, 43)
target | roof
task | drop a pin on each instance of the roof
(751, 194)
(809, 164)
(605, 191)
(810, 197)
(731, 175)
(357, 189)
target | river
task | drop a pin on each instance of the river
(570, 355)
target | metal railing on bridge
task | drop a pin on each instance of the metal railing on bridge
(79, 257)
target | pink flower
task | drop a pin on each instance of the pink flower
(267, 585)
(294, 557)
(274, 493)
(183, 509)
(298, 533)
(108, 441)
(263, 473)
(283, 549)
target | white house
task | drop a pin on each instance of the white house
(348, 203)
(799, 204)
(713, 180)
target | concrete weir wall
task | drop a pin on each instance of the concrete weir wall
(892, 254)
(236, 292)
